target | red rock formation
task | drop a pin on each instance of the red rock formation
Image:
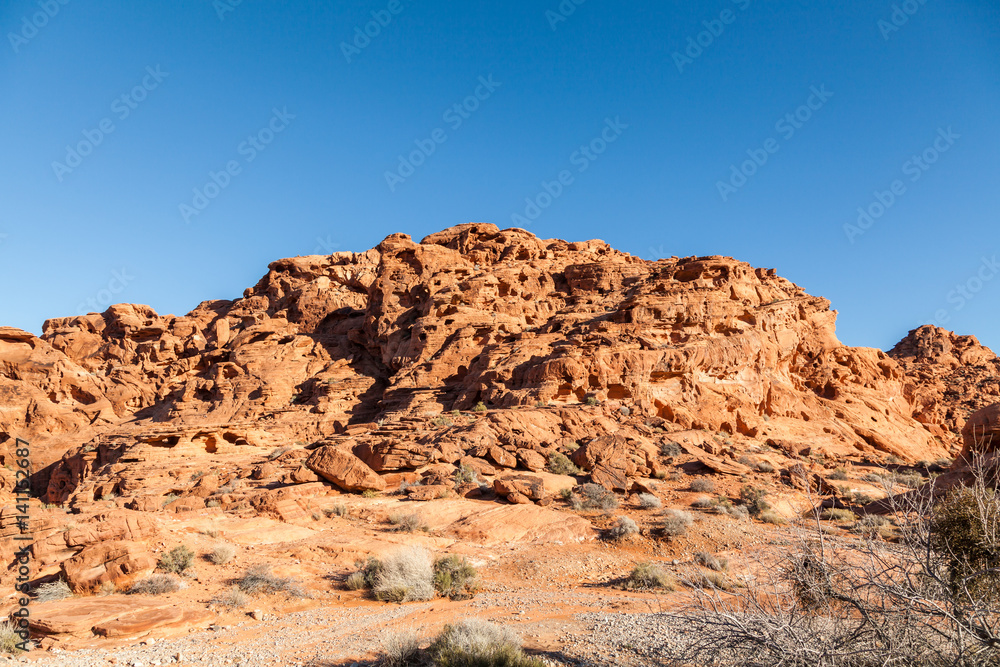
(322, 346)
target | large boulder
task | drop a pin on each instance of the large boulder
(344, 469)
(112, 562)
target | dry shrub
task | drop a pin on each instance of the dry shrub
(675, 523)
(222, 554)
(477, 643)
(711, 561)
(400, 649)
(156, 584)
(231, 598)
(406, 523)
(260, 579)
(54, 590)
(648, 501)
(703, 485)
(405, 576)
(623, 528)
(648, 576)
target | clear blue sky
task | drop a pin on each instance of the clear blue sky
(198, 80)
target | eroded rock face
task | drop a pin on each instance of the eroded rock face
(344, 469)
(323, 346)
(951, 378)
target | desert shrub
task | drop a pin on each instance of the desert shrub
(54, 590)
(441, 422)
(337, 510)
(592, 401)
(10, 640)
(222, 554)
(259, 579)
(647, 575)
(176, 560)
(670, 450)
(704, 503)
(910, 480)
(560, 464)
(356, 581)
(369, 493)
(675, 523)
(465, 475)
(734, 511)
(763, 466)
(839, 474)
(874, 478)
(862, 498)
(277, 452)
(477, 643)
(747, 461)
(480, 407)
(703, 485)
(455, 577)
(169, 498)
(834, 514)
(156, 584)
(872, 525)
(596, 497)
(406, 523)
(753, 499)
(623, 528)
(400, 649)
(648, 501)
(405, 576)
(772, 517)
(231, 598)
(674, 476)
(212, 502)
(964, 527)
(711, 561)
(709, 580)
(210, 532)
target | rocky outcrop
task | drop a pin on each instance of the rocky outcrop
(344, 469)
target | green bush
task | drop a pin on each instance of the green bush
(176, 560)
(753, 500)
(834, 514)
(560, 464)
(480, 407)
(964, 529)
(455, 577)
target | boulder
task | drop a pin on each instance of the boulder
(112, 561)
(344, 469)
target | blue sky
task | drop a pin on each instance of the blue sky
(243, 133)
